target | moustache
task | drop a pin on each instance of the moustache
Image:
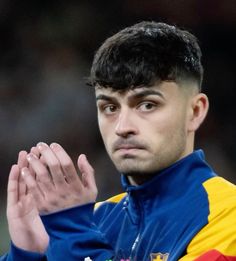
(128, 144)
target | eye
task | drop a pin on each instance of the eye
(109, 108)
(147, 106)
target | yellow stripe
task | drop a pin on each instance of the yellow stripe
(115, 199)
(220, 232)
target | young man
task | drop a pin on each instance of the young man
(147, 81)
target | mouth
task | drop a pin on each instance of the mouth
(128, 148)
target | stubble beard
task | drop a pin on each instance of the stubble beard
(133, 166)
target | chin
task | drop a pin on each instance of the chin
(134, 169)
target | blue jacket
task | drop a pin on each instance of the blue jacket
(178, 215)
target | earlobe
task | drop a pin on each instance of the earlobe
(199, 109)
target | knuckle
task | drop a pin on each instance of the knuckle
(54, 165)
(67, 164)
(60, 181)
(60, 185)
(32, 187)
(43, 178)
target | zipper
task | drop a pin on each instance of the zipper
(136, 241)
(134, 246)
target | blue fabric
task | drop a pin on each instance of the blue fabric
(17, 254)
(162, 215)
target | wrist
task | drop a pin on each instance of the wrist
(29, 237)
(24, 254)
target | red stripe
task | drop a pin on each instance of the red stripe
(214, 255)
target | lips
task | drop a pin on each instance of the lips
(127, 145)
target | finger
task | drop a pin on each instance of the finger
(35, 151)
(87, 173)
(32, 186)
(22, 162)
(22, 188)
(12, 187)
(43, 175)
(53, 163)
(43, 160)
(67, 165)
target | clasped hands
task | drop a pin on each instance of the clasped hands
(53, 181)
(42, 182)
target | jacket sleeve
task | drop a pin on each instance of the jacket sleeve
(17, 254)
(74, 236)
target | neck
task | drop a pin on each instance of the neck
(139, 180)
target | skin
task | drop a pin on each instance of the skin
(144, 130)
(147, 129)
(57, 184)
(43, 181)
(25, 226)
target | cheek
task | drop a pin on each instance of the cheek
(105, 130)
(168, 123)
(164, 122)
(102, 129)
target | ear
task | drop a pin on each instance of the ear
(198, 110)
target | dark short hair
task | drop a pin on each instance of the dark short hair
(145, 53)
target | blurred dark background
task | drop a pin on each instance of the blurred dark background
(46, 49)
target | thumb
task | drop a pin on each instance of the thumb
(87, 173)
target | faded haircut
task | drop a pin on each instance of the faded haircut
(146, 53)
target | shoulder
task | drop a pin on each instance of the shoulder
(220, 231)
(221, 194)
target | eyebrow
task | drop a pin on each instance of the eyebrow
(145, 93)
(103, 97)
(138, 95)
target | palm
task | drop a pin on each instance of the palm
(24, 215)
(25, 226)
(23, 209)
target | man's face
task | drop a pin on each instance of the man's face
(144, 130)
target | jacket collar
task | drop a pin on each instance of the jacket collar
(174, 180)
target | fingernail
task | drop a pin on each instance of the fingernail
(40, 145)
(22, 153)
(31, 156)
(54, 145)
(82, 156)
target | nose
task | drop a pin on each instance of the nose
(126, 125)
